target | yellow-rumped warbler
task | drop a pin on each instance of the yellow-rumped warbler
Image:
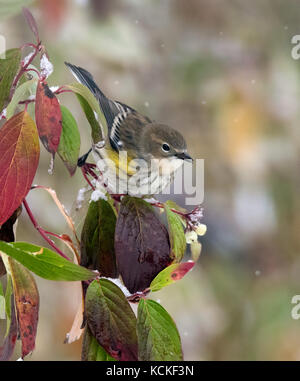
(140, 156)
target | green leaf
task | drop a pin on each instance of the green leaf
(20, 94)
(27, 304)
(69, 144)
(92, 102)
(8, 70)
(173, 205)
(45, 263)
(90, 115)
(170, 275)
(158, 337)
(97, 239)
(111, 320)
(176, 233)
(2, 303)
(91, 350)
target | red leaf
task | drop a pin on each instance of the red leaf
(19, 153)
(31, 22)
(27, 304)
(171, 274)
(48, 117)
(181, 270)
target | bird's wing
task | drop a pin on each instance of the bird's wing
(119, 120)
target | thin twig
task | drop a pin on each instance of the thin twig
(23, 69)
(42, 231)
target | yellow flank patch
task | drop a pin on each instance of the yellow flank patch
(122, 162)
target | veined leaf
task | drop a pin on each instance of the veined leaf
(69, 144)
(8, 70)
(92, 102)
(176, 233)
(173, 205)
(141, 244)
(20, 94)
(97, 239)
(27, 304)
(45, 263)
(171, 274)
(158, 337)
(111, 320)
(91, 350)
(19, 152)
(48, 117)
(90, 115)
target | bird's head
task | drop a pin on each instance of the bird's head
(163, 142)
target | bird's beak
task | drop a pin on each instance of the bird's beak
(184, 156)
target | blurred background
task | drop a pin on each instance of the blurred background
(221, 72)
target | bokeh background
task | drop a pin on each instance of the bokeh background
(221, 72)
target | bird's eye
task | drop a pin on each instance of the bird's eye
(165, 147)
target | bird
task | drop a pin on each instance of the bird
(140, 156)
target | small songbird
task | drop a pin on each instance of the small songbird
(140, 156)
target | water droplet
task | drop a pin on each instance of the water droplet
(51, 165)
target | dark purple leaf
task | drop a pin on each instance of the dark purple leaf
(141, 244)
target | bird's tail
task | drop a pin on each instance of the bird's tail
(86, 78)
